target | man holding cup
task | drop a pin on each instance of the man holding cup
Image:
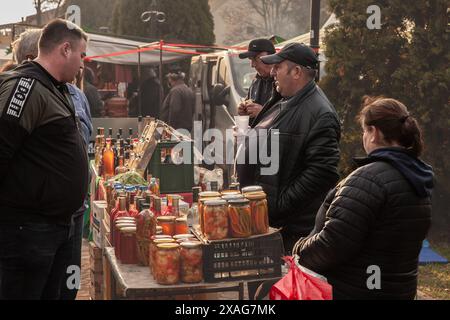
(262, 89)
(309, 132)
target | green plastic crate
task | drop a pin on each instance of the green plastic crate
(173, 178)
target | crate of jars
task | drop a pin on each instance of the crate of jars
(238, 242)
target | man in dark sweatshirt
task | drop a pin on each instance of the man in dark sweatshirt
(43, 166)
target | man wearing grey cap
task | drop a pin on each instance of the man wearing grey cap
(262, 88)
(309, 132)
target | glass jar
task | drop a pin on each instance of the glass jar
(168, 225)
(191, 262)
(181, 226)
(205, 196)
(260, 212)
(240, 216)
(167, 264)
(152, 249)
(128, 245)
(146, 228)
(117, 234)
(215, 218)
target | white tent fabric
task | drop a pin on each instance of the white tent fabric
(100, 45)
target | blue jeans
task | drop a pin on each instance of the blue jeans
(33, 261)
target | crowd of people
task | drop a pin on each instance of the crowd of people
(378, 215)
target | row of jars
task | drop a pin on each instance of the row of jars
(233, 214)
(176, 259)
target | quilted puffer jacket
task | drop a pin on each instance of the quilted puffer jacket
(378, 216)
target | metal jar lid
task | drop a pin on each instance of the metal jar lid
(252, 189)
(229, 197)
(166, 219)
(161, 241)
(209, 194)
(168, 246)
(256, 195)
(128, 230)
(125, 224)
(183, 236)
(239, 202)
(229, 192)
(204, 200)
(215, 203)
(158, 237)
(191, 245)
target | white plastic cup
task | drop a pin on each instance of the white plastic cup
(242, 123)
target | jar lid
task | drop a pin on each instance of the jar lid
(210, 199)
(160, 241)
(181, 219)
(166, 219)
(256, 195)
(180, 241)
(239, 202)
(125, 224)
(159, 228)
(252, 189)
(183, 236)
(158, 237)
(168, 246)
(230, 192)
(191, 244)
(128, 229)
(125, 219)
(209, 194)
(213, 203)
(229, 197)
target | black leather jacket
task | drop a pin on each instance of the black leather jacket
(309, 134)
(378, 216)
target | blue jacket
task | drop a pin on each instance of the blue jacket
(82, 110)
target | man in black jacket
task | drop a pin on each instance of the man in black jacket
(43, 166)
(309, 132)
(262, 88)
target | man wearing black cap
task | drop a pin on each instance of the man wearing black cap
(309, 133)
(262, 88)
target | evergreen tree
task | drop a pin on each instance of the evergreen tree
(186, 20)
(407, 59)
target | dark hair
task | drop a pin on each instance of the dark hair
(392, 118)
(59, 31)
(176, 76)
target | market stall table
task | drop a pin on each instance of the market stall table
(136, 282)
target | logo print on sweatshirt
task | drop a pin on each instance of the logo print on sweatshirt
(20, 97)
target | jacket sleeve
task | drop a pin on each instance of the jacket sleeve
(348, 222)
(19, 113)
(319, 174)
(176, 109)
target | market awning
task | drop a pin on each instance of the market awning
(125, 52)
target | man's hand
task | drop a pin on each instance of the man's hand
(242, 109)
(254, 109)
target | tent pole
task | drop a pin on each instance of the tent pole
(139, 84)
(161, 73)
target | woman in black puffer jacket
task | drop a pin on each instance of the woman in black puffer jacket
(370, 229)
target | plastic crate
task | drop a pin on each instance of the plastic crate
(241, 259)
(173, 178)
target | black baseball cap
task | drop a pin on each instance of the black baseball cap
(257, 46)
(298, 53)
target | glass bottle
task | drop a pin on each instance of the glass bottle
(193, 218)
(108, 161)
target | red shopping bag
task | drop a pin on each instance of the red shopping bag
(301, 284)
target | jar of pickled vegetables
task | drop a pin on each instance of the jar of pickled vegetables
(181, 226)
(240, 216)
(152, 249)
(146, 228)
(205, 196)
(167, 264)
(215, 216)
(128, 247)
(260, 212)
(168, 225)
(191, 262)
(117, 234)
